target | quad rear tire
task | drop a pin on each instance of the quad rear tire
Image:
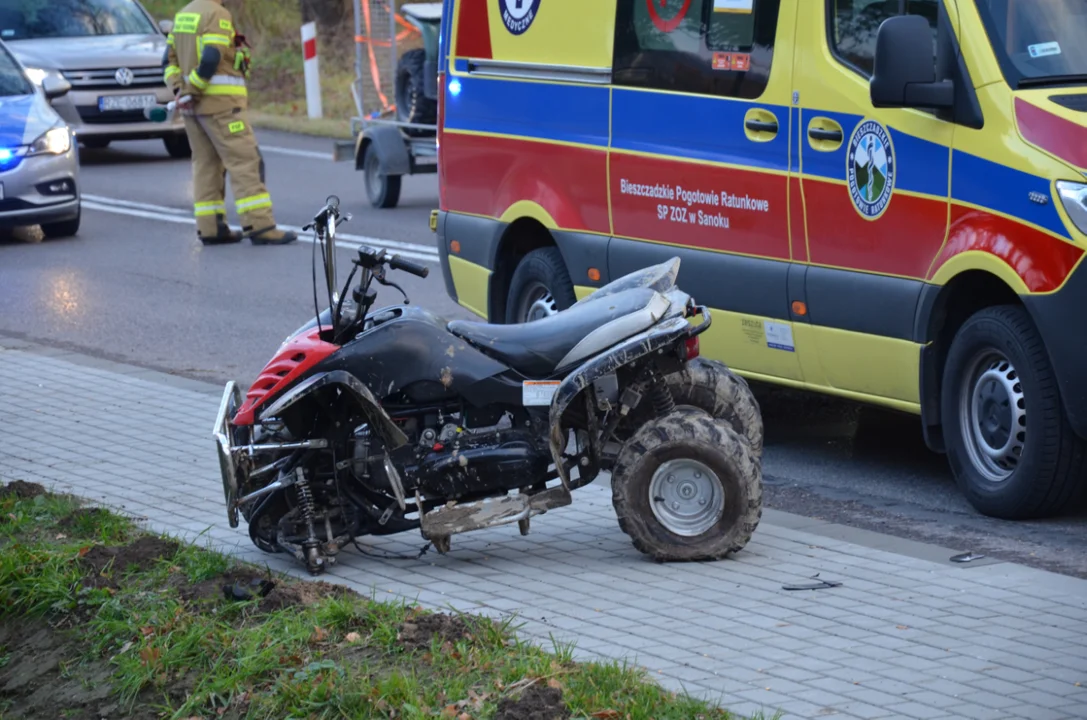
(1012, 451)
(709, 386)
(686, 487)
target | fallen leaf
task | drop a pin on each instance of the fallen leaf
(352, 637)
(319, 634)
(554, 683)
(62, 536)
(606, 715)
(464, 716)
(449, 712)
(147, 631)
(84, 550)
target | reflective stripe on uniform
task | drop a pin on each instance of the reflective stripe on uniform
(187, 23)
(204, 209)
(197, 81)
(254, 202)
(170, 40)
(226, 85)
(216, 39)
(170, 71)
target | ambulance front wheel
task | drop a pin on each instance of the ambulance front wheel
(540, 287)
(383, 191)
(1011, 448)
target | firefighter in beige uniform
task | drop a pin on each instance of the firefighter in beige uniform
(207, 71)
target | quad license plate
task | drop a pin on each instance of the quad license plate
(111, 103)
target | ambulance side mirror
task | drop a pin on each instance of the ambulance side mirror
(55, 87)
(904, 74)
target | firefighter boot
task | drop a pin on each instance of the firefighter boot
(271, 236)
(223, 236)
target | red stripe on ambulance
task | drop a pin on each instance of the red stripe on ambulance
(473, 30)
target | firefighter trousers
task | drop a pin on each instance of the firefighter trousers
(222, 144)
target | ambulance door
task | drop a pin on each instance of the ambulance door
(699, 164)
(875, 186)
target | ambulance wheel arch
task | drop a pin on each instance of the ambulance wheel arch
(984, 373)
(529, 269)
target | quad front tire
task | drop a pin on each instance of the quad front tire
(687, 487)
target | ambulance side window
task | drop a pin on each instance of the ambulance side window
(853, 25)
(709, 47)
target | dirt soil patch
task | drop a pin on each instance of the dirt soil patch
(139, 555)
(535, 703)
(416, 633)
(21, 490)
(83, 520)
(242, 584)
(44, 680)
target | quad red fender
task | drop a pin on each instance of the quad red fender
(291, 362)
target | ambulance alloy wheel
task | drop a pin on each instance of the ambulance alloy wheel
(383, 191)
(686, 487)
(540, 286)
(1011, 448)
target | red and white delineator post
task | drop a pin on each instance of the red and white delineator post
(312, 72)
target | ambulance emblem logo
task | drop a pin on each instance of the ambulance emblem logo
(870, 169)
(517, 15)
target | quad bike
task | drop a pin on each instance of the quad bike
(385, 421)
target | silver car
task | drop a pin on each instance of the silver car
(111, 52)
(39, 166)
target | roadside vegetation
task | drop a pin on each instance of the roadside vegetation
(277, 87)
(100, 619)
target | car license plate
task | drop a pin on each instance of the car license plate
(111, 103)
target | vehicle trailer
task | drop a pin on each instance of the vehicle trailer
(387, 148)
(880, 200)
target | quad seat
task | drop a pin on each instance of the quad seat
(540, 348)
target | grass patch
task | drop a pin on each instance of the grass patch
(98, 618)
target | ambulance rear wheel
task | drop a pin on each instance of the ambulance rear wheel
(383, 191)
(540, 287)
(1011, 448)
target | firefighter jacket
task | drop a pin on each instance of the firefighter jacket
(203, 60)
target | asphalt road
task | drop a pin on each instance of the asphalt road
(137, 286)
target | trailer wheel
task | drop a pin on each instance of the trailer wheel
(412, 104)
(382, 190)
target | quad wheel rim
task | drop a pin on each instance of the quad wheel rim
(687, 497)
(993, 410)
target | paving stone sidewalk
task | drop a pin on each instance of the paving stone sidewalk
(907, 634)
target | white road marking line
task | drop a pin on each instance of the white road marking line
(297, 153)
(138, 205)
(165, 214)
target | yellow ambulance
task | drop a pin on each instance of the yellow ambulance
(883, 200)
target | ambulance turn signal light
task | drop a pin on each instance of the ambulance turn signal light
(594, 274)
(454, 245)
(799, 308)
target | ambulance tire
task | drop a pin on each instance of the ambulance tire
(412, 104)
(1012, 451)
(540, 286)
(383, 191)
(177, 146)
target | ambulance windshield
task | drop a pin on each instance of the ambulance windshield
(1038, 42)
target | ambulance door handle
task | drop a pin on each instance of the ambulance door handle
(761, 126)
(827, 135)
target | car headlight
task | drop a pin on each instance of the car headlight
(55, 141)
(38, 75)
(1074, 198)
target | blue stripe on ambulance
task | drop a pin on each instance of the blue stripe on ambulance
(991, 185)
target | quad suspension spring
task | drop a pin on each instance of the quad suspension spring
(305, 498)
(661, 396)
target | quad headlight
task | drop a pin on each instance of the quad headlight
(1074, 198)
